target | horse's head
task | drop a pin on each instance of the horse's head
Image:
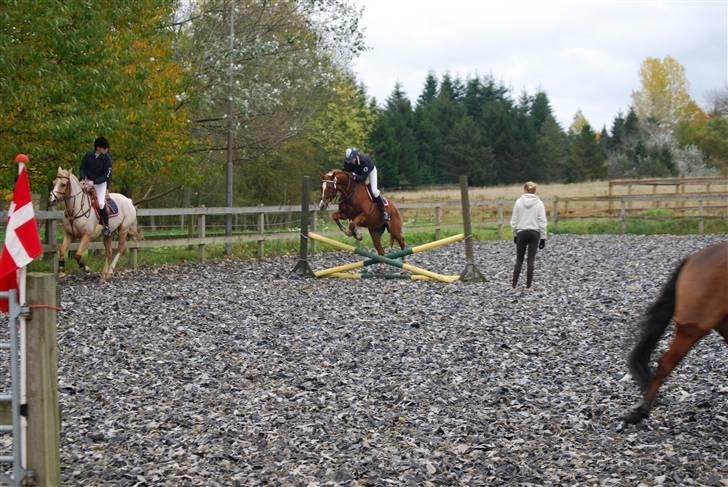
(331, 182)
(61, 186)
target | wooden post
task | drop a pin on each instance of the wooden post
(51, 240)
(701, 216)
(611, 204)
(44, 422)
(314, 220)
(438, 221)
(134, 258)
(471, 272)
(629, 193)
(622, 216)
(302, 267)
(260, 251)
(201, 234)
(654, 192)
(555, 214)
(499, 207)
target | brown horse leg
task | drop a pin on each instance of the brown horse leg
(82, 246)
(377, 240)
(356, 222)
(723, 329)
(67, 238)
(686, 336)
(336, 216)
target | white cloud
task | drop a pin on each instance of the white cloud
(584, 55)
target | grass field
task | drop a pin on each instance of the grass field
(547, 191)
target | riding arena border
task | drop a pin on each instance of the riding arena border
(469, 274)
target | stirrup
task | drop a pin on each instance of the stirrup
(106, 232)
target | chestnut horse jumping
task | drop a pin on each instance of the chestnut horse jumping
(356, 205)
(696, 296)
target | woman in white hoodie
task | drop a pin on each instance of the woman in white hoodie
(529, 230)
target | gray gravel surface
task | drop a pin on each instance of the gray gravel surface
(238, 373)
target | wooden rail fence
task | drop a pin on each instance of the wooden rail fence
(700, 207)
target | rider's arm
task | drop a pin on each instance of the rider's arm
(82, 170)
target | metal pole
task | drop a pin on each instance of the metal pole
(302, 268)
(471, 272)
(229, 192)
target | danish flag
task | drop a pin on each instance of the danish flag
(22, 242)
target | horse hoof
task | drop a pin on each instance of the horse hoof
(634, 417)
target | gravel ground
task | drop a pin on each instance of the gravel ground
(238, 373)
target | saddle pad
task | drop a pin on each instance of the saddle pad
(371, 198)
(112, 209)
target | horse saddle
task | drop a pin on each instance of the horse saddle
(112, 209)
(371, 197)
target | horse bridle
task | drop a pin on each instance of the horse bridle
(65, 198)
(345, 192)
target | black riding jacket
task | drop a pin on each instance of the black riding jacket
(361, 165)
(96, 167)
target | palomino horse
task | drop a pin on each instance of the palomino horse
(81, 221)
(356, 205)
(696, 296)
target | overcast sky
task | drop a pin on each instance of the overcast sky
(584, 54)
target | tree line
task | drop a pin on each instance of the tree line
(156, 78)
(477, 127)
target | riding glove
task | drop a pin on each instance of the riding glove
(542, 244)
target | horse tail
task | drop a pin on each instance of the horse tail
(653, 325)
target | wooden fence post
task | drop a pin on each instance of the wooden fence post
(313, 223)
(51, 240)
(260, 251)
(201, 234)
(438, 221)
(610, 193)
(701, 221)
(499, 206)
(555, 214)
(44, 422)
(622, 216)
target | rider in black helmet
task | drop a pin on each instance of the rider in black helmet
(96, 171)
(363, 168)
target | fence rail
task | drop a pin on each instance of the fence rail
(282, 222)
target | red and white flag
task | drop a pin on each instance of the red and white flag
(22, 242)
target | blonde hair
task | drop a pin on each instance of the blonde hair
(530, 187)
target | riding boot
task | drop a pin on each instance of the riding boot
(385, 213)
(105, 221)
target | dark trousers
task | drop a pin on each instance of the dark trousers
(526, 239)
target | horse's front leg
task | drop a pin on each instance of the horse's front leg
(336, 216)
(354, 224)
(108, 251)
(67, 238)
(82, 246)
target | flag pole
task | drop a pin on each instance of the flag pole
(22, 275)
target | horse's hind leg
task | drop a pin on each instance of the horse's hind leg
(377, 240)
(120, 249)
(686, 336)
